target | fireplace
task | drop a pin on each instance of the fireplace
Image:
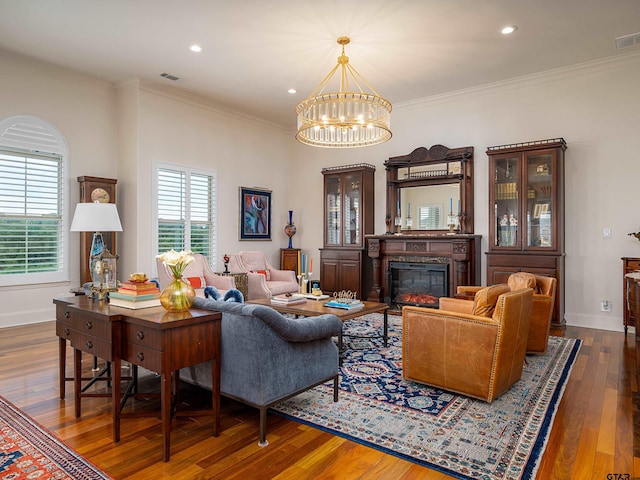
(417, 283)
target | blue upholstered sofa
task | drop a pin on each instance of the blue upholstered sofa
(267, 358)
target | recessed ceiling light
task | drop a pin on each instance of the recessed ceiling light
(292, 91)
(195, 48)
(508, 29)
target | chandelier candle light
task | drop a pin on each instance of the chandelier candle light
(347, 118)
(178, 296)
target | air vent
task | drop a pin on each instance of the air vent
(627, 41)
(168, 76)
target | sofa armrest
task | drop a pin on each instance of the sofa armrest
(299, 329)
(283, 275)
(257, 286)
(221, 282)
(468, 289)
(456, 305)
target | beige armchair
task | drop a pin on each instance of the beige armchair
(544, 298)
(473, 354)
(262, 278)
(199, 274)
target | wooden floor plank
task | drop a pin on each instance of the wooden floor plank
(592, 435)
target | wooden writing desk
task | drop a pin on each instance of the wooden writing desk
(151, 338)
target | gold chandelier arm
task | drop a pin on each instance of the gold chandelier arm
(320, 88)
(356, 76)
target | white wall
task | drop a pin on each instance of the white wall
(83, 110)
(594, 107)
(243, 151)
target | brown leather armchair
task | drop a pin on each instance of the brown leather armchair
(544, 297)
(475, 355)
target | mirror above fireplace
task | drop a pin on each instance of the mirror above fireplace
(430, 191)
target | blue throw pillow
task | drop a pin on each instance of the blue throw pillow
(232, 295)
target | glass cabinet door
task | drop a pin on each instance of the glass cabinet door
(352, 200)
(540, 203)
(506, 196)
(332, 197)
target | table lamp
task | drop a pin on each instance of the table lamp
(99, 217)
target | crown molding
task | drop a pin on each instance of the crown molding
(12, 58)
(562, 73)
(204, 103)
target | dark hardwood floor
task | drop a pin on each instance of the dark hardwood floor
(592, 435)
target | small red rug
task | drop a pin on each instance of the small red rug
(29, 451)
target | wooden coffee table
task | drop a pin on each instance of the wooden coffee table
(314, 308)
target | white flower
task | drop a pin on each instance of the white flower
(176, 261)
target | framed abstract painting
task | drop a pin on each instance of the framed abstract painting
(255, 214)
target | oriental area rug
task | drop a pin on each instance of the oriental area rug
(462, 437)
(29, 451)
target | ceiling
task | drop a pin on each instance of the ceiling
(255, 50)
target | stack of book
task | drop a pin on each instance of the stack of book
(344, 304)
(136, 295)
(287, 299)
(311, 296)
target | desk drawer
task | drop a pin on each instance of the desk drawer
(143, 357)
(92, 345)
(63, 330)
(143, 336)
(91, 326)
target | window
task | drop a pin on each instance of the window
(429, 217)
(186, 210)
(32, 208)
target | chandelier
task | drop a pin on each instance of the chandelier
(346, 118)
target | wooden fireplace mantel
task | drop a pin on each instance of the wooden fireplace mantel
(460, 251)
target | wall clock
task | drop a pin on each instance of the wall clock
(100, 195)
(95, 189)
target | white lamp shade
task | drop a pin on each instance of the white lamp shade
(96, 217)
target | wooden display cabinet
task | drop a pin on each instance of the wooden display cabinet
(630, 314)
(348, 217)
(526, 213)
(95, 189)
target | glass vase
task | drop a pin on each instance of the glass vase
(178, 296)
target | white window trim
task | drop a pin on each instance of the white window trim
(54, 143)
(154, 205)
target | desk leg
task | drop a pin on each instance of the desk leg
(165, 402)
(62, 365)
(77, 374)
(116, 385)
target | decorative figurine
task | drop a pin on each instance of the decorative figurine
(226, 263)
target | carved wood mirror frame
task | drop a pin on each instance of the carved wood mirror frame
(426, 167)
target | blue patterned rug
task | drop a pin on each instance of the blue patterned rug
(29, 451)
(454, 434)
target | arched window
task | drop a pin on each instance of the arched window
(33, 202)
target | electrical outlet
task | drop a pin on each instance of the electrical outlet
(605, 306)
(606, 232)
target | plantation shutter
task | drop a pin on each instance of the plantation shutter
(186, 213)
(31, 213)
